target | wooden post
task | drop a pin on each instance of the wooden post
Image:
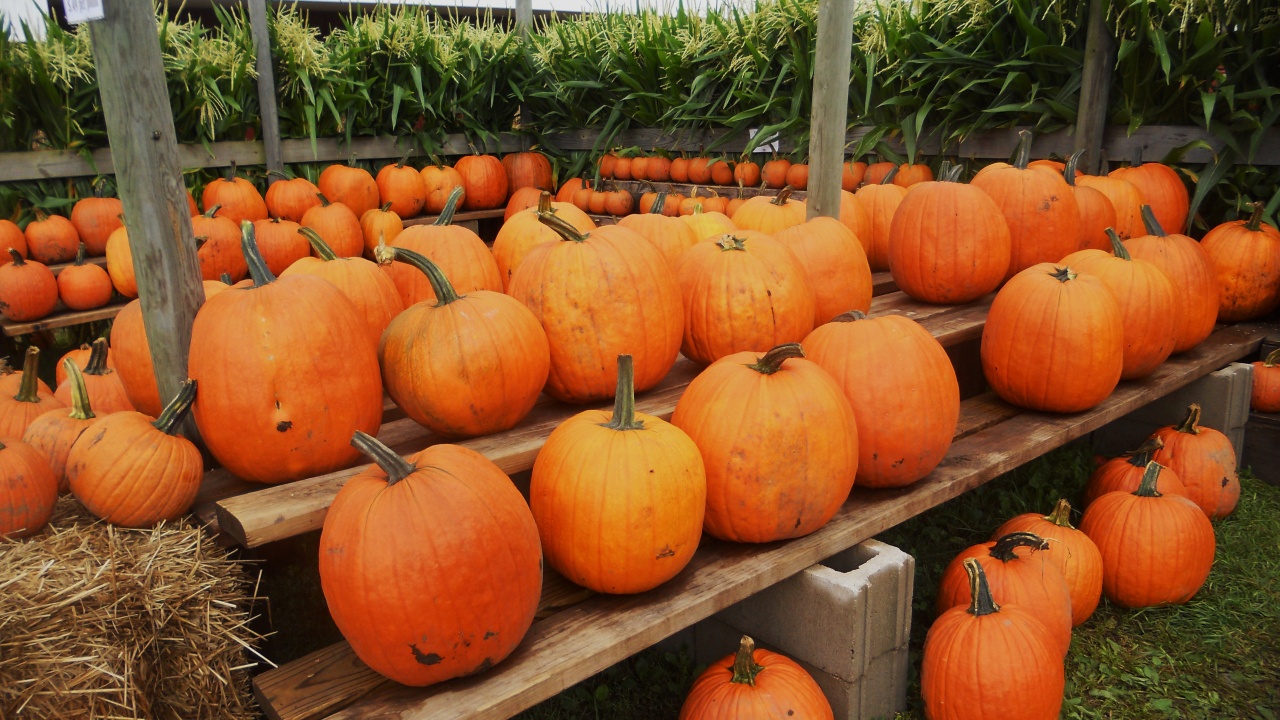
(524, 17)
(830, 106)
(266, 87)
(135, 103)
(1095, 84)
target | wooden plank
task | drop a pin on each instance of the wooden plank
(390, 147)
(637, 188)
(99, 261)
(61, 320)
(1095, 86)
(266, 85)
(830, 112)
(461, 217)
(590, 636)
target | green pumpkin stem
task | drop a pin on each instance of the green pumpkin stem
(258, 269)
(1150, 476)
(97, 364)
(278, 174)
(403, 160)
(1254, 223)
(783, 195)
(1191, 423)
(1063, 273)
(213, 211)
(1136, 160)
(771, 362)
(1117, 247)
(386, 207)
(1061, 515)
(1272, 358)
(18, 260)
(80, 252)
(851, 316)
(544, 203)
(1142, 455)
(318, 244)
(624, 398)
(745, 668)
(28, 389)
(324, 201)
(396, 467)
(1069, 172)
(979, 590)
(80, 409)
(226, 279)
(658, 203)
(1004, 548)
(177, 408)
(444, 291)
(729, 241)
(1022, 156)
(450, 206)
(1150, 222)
(562, 227)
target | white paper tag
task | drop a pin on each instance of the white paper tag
(79, 11)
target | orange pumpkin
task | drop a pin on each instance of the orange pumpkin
(11, 238)
(721, 173)
(679, 170)
(523, 232)
(851, 174)
(460, 253)
(30, 398)
(1245, 255)
(101, 382)
(854, 216)
(778, 440)
(659, 169)
(1266, 384)
(485, 181)
(218, 246)
(380, 225)
(770, 214)
(440, 181)
(1096, 211)
(80, 356)
(618, 202)
(835, 264)
(1070, 550)
(640, 168)
(1126, 199)
(528, 169)
(570, 186)
(755, 684)
(909, 174)
(877, 172)
(95, 218)
(707, 224)
(369, 289)
(28, 290)
(132, 352)
(622, 168)
(84, 287)
(350, 186)
(11, 380)
(290, 198)
(699, 170)
(603, 476)
(774, 173)
(1124, 474)
(798, 176)
(339, 225)
(280, 243)
(879, 203)
(1190, 270)
(671, 236)
(746, 173)
(120, 263)
(53, 433)
(1048, 164)
(1161, 188)
(606, 165)
(1204, 460)
(401, 187)
(28, 489)
(522, 199)
(51, 239)
(235, 197)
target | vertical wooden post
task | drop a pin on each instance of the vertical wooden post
(524, 17)
(266, 87)
(1095, 84)
(135, 103)
(830, 106)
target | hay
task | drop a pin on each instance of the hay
(101, 622)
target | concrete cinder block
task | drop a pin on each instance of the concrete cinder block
(1223, 396)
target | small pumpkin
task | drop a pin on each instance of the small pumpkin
(1190, 270)
(851, 174)
(235, 197)
(11, 238)
(1161, 188)
(95, 218)
(1245, 255)
(485, 181)
(879, 204)
(707, 224)
(51, 239)
(1124, 474)
(280, 243)
(640, 168)
(84, 287)
(369, 289)
(120, 263)
(528, 169)
(218, 246)
(1156, 549)
(570, 186)
(778, 440)
(721, 173)
(1204, 460)
(622, 168)
(755, 684)
(380, 225)
(339, 225)
(80, 356)
(606, 164)
(746, 173)
(28, 489)
(522, 199)
(349, 185)
(770, 214)
(774, 173)
(401, 187)
(659, 169)
(618, 202)
(671, 236)
(699, 170)
(878, 171)
(1071, 550)
(30, 399)
(798, 176)
(28, 290)
(440, 181)
(290, 198)
(910, 174)
(460, 253)
(1266, 384)
(618, 497)
(679, 170)
(53, 433)
(1126, 199)
(523, 232)
(101, 382)
(1097, 214)
(835, 264)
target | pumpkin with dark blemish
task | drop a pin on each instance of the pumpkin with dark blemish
(1204, 460)
(28, 489)
(754, 683)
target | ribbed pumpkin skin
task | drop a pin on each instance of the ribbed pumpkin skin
(773, 173)
(528, 169)
(1148, 307)
(440, 182)
(1124, 474)
(403, 188)
(1096, 215)
(798, 176)
(708, 224)
(84, 286)
(522, 233)
(877, 172)
(95, 219)
(1126, 200)
(106, 393)
(1053, 345)
(879, 203)
(80, 356)
(835, 264)
(16, 414)
(424, 612)
(782, 689)
(262, 411)
(291, 199)
(611, 294)
(781, 450)
(1071, 550)
(28, 489)
(339, 225)
(367, 286)
(1155, 550)
(462, 255)
(1204, 460)
(379, 225)
(351, 186)
(280, 243)
(132, 352)
(854, 216)
(851, 174)
(52, 240)
(903, 391)
(1041, 211)
(11, 237)
(120, 263)
(949, 243)
(53, 434)
(671, 236)
(485, 181)
(1246, 265)
(742, 294)
(763, 214)
(522, 199)
(1162, 189)
(1266, 385)
(909, 175)
(219, 247)
(238, 198)
(28, 290)
(1191, 272)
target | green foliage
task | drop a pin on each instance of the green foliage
(650, 685)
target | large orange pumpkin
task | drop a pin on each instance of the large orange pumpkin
(1266, 384)
(1126, 199)
(28, 489)
(84, 287)
(290, 198)
(54, 432)
(1124, 474)
(95, 218)
(1204, 460)
(459, 252)
(835, 264)
(672, 236)
(778, 440)
(619, 498)
(754, 684)
(339, 225)
(1097, 214)
(742, 294)
(1054, 340)
(879, 203)
(30, 399)
(1156, 549)
(902, 388)
(770, 214)
(351, 186)
(464, 600)
(236, 198)
(218, 246)
(523, 232)
(367, 286)
(627, 302)
(528, 169)
(51, 239)
(1191, 272)
(280, 243)
(11, 238)
(401, 187)
(28, 290)
(1068, 548)
(949, 243)
(120, 263)
(1245, 255)
(262, 410)
(1162, 189)
(485, 181)
(440, 181)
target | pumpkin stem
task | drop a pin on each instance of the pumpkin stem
(1191, 423)
(231, 172)
(1272, 358)
(1061, 515)
(952, 174)
(562, 227)
(386, 207)
(1142, 455)
(27, 390)
(1255, 220)
(1004, 548)
(851, 316)
(226, 279)
(258, 269)
(771, 362)
(745, 668)
(1022, 155)
(450, 207)
(1069, 172)
(1117, 247)
(658, 203)
(403, 160)
(278, 174)
(783, 196)
(624, 398)
(318, 244)
(213, 211)
(1136, 161)
(444, 291)
(396, 467)
(544, 202)
(97, 364)
(324, 201)
(41, 215)
(18, 260)
(979, 590)
(1150, 222)
(1147, 488)
(729, 241)
(80, 251)
(1063, 274)
(177, 408)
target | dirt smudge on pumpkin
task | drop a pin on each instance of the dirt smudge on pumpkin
(666, 552)
(284, 425)
(489, 633)
(425, 658)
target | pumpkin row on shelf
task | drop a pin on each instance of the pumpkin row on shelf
(776, 173)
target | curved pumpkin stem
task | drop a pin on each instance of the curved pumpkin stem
(324, 201)
(1063, 274)
(27, 389)
(745, 668)
(278, 174)
(1004, 548)
(1069, 172)
(624, 398)
(18, 260)
(562, 227)
(318, 244)
(979, 590)
(1142, 455)
(444, 291)
(1191, 423)
(1271, 359)
(658, 203)
(212, 212)
(1150, 222)
(1061, 515)
(851, 316)
(231, 172)
(177, 408)
(386, 207)
(97, 364)
(1254, 223)
(771, 362)
(1117, 247)
(1022, 156)
(450, 207)
(1147, 488)
(258, 269)
(80, 252)
(396, 467)
(783, 196)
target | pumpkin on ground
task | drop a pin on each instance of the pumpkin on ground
(835, 264)
(982, 660)
(95, 218)
(101, 382)
(28, 290)
(1054, 340)
(949, 242)
(84, 287)
(459, 252)
(1097, 214)
(51, 239)
(770, 214)
(1071, 550)
(339, 225)
(1204, 460)
(1161, 188)
(464, 365)
(280, 243)
(778, 440)
(464, 600)
(523, 232)
(262, 411)
(1266, 384)
(1124, 474)
(28, 489)
(671, 236)
(440, 181)
(903, 390)
(879, 204)
(401, 187)
(1245, 255)
(217, 240)
(24, 398)
(351, 186)
(528, 169)
(367, 286)
(1190, 270)
(618, 497)
(1156, 549)
(54, 432)
(755, 684)
(135, 471)
(290, 198)
(11, 238)
(485, 181)
(236, 198)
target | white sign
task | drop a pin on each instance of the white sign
(79, 11)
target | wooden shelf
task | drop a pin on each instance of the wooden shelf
(458, 217)
(99, 261)
(571, 643)
(636, 187)
(62, 319)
